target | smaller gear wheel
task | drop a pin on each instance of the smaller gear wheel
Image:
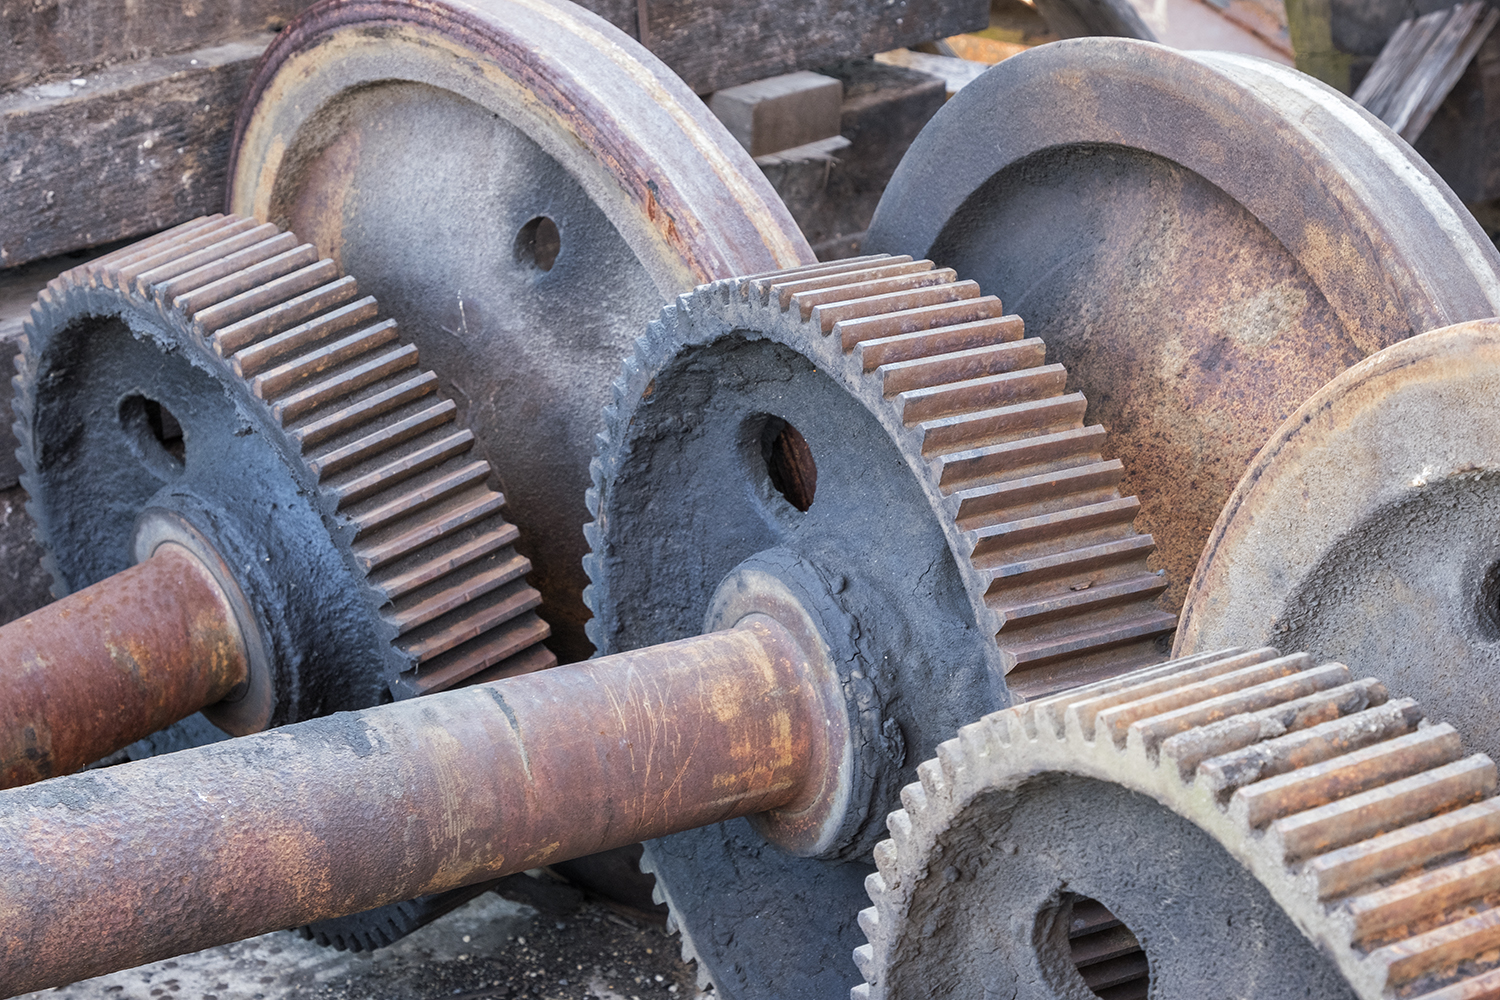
(1236, 823)
(223, 372)
(886, 442)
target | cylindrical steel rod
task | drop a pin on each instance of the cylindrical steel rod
(118, 866)
(117, 661)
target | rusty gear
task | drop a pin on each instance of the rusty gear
(889, 436)
(523, 186)
(1364, 531)
(223, 372)
(1202, 268)
(1260, 825)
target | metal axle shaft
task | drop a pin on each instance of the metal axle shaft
(113, 663)
(119, 866)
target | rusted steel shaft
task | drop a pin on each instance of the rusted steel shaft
(118, 866)
(108, 665)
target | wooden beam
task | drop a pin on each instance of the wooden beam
(134, 149)
(50, 39)
(714, 44)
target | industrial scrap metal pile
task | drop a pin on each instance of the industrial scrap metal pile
(880, 596)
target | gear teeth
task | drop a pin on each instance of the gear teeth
(375, 435)
(1052, 558)
(1053, 544)
(660, 897)
(1370, 826)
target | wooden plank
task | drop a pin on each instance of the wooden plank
(1421, 63)
(1310, 25)
(780, 112)
(59, 38)
(137, 148)
(1462, 142)
(143, 145)
(718, 44)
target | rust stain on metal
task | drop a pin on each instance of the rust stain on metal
(354, 810)
(113, 663)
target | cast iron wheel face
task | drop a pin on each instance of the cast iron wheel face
(522, 185)
(219, 373)
(887, 445)
(1131, 201)
(1273, 828)
(1366, 531)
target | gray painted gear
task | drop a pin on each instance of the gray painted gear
(1260, 825)
(524, 186)
(222, 372)
(888, 443)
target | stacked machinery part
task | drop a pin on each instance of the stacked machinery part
(1365, 530)
(1201, 268)
(1237, 823)
(887, 442)
(523, 186)
(825, 409)
(221, 396)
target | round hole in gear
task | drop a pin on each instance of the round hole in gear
(1106, 953)
(789, 462)
(1487, 604)
(538, 244)
(153, 434)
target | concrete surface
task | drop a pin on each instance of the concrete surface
(543, 939)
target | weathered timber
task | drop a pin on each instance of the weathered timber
(142, 144)
(832, 192)
(1310, 26)
(50, 39)
(1462, 142)
(725, 42)
(1421, 63)
(780, 112)
(137, 148)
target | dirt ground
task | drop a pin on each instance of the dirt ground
(541, 939)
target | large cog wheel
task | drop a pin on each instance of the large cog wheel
(225, 376)
(1203, 238)
(523, 186)
(1238, 823)
(887, 442)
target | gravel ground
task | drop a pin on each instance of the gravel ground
(541, 939)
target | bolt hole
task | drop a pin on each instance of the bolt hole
(789, 462)
(1489, 603)
(1105, 952)
(153, 434)
(538, 243)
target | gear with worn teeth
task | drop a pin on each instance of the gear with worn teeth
(939, 479)
(314, 373)
(1286, 797)
(417, 557)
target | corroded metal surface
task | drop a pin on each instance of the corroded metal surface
(421, 145)
(113, 663)
(159, 857)
(890, 435)
(1263, 794)
(1365, 530)
(1204, 239)
(311, 450)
